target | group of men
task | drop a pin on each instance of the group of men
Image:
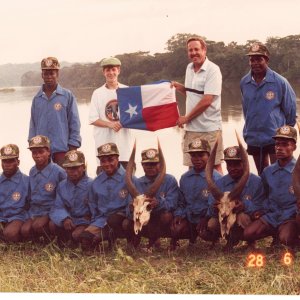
(57, 198)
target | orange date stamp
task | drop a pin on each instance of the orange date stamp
(259, 260)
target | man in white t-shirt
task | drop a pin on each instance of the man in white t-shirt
(203, 85)
(104, 113)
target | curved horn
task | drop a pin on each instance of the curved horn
(236, 192)
(159, 179)
(217, 194)
(128, 176)
(296, 174)
(296, 178)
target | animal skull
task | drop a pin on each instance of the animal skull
(226, 201)
(141, 212)
(226, 217)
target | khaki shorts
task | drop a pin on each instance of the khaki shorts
(188, 136)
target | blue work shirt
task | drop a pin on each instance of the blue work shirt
(266, 106)
(13, 196)
(43, 186)
(72, 202)
(167, 194)
(252, 196)
(193, 203)
(281, 201)
(57, 118)
(108, 195)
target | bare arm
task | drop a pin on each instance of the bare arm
(179, 87)
(116, 126)
(202, 105)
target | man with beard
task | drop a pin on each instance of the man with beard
(268, 102)
(193, 203)
(279, 219)
(203, 84)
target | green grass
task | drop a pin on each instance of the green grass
(196, 270)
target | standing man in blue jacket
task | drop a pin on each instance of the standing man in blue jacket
(54, 113)
(268, 102)
(279, 220)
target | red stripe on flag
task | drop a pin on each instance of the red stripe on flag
(160, 116)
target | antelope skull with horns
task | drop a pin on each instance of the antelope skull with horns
(226, 201)
(141, 204)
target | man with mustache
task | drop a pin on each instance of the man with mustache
(279, 220)
(268, 102)
(202, 88)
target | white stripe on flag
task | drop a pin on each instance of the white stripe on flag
(157, 94)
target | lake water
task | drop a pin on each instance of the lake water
(14, 123)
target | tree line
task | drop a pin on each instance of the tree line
(142, 67)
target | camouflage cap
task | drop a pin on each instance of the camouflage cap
(198, 145)
(39, 141)
(150, 155)
(50, 63)
(232, 153)
(110, 61)
(286, 132)
(107, 149)
(258, 49)
(73, 158)
(9, 151)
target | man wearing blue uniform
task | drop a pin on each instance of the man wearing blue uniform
(163, 203)
(193, 203)
(70, 214)
(268, 102)
(54, 113)
(108, 199)
(248, 208)
(44, 178)
(14, 187)
(279, 219)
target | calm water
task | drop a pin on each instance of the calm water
(14, 123)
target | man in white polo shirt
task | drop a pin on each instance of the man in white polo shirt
(203, 85)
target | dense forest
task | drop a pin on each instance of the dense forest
(141, 67)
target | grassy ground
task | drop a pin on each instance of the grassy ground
(188, 270)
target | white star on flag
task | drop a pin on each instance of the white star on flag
(131, 110)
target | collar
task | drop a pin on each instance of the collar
(81, 184)
(289, 167)
(59, 90)
(268, 78)
(118, 176)
(45, 172)
(228, 180)
(192, 172)
(16, 178)
(203, 67)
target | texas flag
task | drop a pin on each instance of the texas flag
(148, 107)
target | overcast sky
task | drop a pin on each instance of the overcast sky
(88, 30)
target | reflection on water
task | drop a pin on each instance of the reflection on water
(15, 114)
